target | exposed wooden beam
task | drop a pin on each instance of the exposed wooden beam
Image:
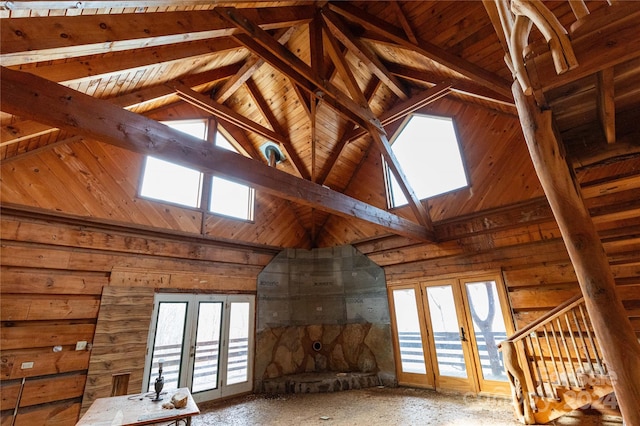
(116, 64)
(606, 104)
(604, 40)
(209, 105)
(244, 145)
(363, 52)
(262, 105)
(40, 39)
(342, 66)
(463, 87)
(406, 25)
(317, 47)
(369, 92)
(423, 48)
(28, 129)
(251, 65)
(413, 104)
(32, 97)
(262, 44)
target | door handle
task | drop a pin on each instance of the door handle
(463, 337)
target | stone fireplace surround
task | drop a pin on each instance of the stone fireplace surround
(323, 323)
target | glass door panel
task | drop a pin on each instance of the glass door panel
(168, 344)
(408, 329)
(205, 342)
(238, 353)
(446, 332)
(489, 329)
(412, 361)
(207, 348)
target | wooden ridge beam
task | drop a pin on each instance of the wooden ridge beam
(32, 97)
(56, 37)
(423, 47)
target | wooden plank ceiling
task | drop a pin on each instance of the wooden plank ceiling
(323, 80)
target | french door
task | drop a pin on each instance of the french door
(204, 342)
(460, 323)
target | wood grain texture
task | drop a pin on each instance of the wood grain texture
(122, 310)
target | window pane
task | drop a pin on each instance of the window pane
(166, 181)
(428, 152)
(170, 182)
(205, 366)
(238, 355)
(409, 336)
(488, 326)
(442, 310)
(231, 198)
(167, 344)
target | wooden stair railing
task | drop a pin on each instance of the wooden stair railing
(554, 365)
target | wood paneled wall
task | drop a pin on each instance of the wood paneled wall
(53, 274)
(523, 241)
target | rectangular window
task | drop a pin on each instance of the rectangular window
(169, 182)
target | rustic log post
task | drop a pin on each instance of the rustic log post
(518, 383)
(611, 326)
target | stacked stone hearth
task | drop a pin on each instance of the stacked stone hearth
(323, 323)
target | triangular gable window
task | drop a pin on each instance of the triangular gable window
(428, 152)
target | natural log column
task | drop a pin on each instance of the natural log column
(612, 328)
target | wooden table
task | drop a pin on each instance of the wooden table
(138, 410)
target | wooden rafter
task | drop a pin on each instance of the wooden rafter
(423, 48)
(363, 52)
(262, 105)
(209, 105)
(27, 129)
(369, 92)
(402, 109)
(47, 38)
(32, 97)
(251, 65)
(113, 65)
(463, 87)
(606, 104)
(262, 44)
(342, 66)
(406, 25)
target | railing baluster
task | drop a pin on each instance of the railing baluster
(552, 355)
(591, 340)
(537, 365)
(575, 347)
(528, 360)
(546, 370)
(584, 342)
(555, 339)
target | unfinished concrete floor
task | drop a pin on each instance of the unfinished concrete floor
(372, 407)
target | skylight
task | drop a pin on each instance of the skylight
(428, 152)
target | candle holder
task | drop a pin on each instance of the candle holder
(159, 383)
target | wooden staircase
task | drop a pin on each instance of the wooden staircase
(555, 366)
